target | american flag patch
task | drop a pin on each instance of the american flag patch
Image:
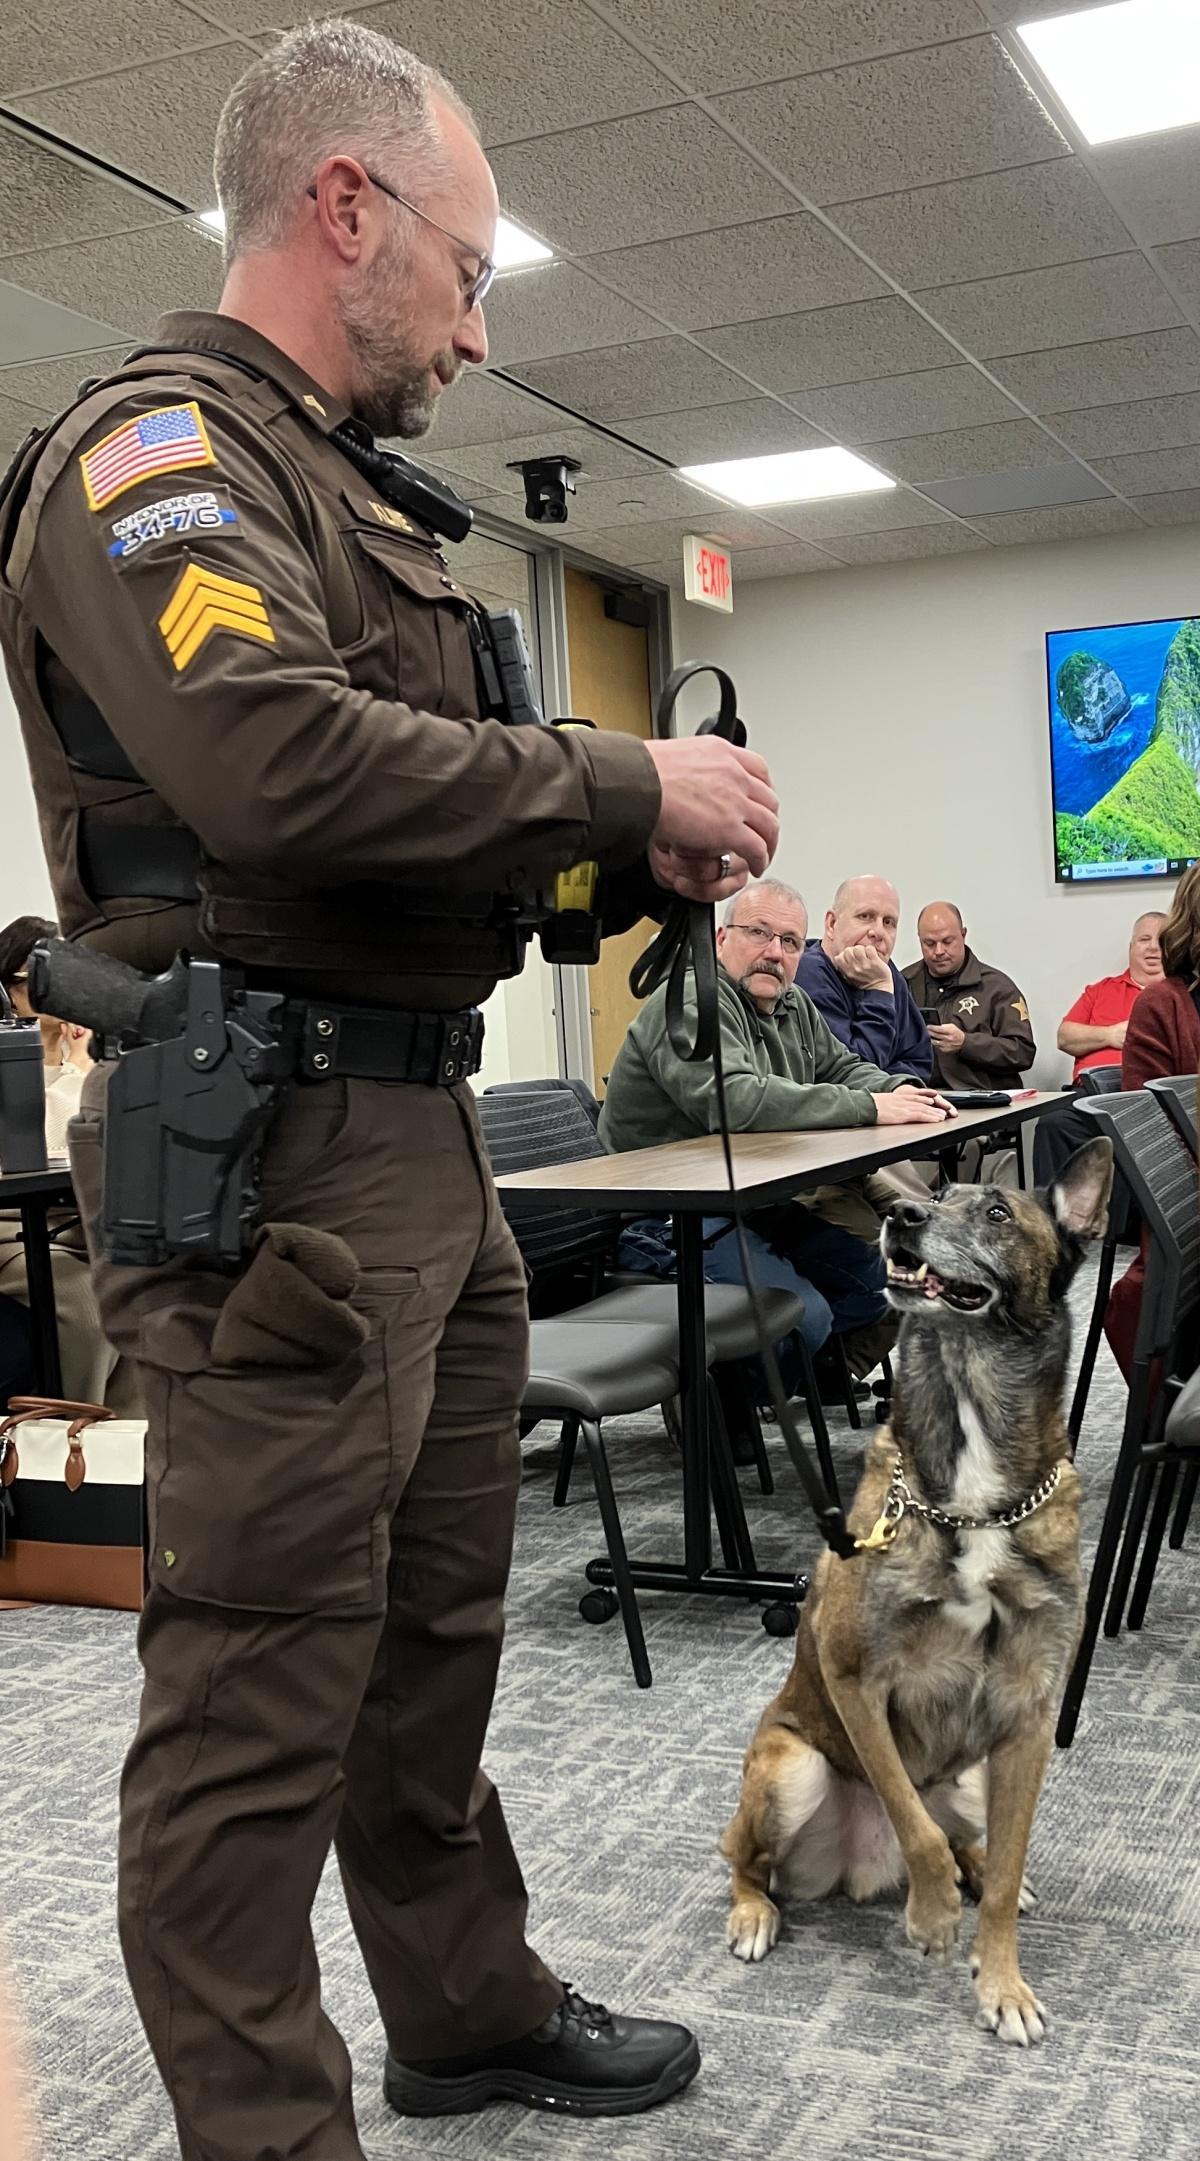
(161, 442)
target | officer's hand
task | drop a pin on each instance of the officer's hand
(691, 876)
(716, 800)
(946, 1035)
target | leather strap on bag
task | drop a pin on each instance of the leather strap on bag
(23, 1410)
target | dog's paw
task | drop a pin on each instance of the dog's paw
(1008, 2007)
(753, 1928)
(1028, 1898)
(932, 1916)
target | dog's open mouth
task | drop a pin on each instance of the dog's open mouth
(906, 1276)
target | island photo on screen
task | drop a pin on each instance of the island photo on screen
(1125, 748)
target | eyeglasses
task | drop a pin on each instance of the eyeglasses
(758, 934)
(476, 290)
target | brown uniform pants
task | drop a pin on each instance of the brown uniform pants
(331, 1517)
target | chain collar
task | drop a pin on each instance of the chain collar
(901, 1501)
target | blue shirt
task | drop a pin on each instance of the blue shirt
(887, 1032)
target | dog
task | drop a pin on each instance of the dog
(919, 1711)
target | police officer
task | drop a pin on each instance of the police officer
(246, 682)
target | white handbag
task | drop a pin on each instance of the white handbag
(72, 1504)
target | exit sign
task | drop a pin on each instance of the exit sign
(707, 574)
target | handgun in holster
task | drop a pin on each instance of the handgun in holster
(565, 921)
(200, 1063)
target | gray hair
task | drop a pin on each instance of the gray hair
(325, 87)
(763, 885)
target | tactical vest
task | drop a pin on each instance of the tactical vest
(128, 877)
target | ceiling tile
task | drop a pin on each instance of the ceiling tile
(15, 422)
(982, 228)
(741, 272)
(1004, 12)
(929, 403)
(832, 345)
(938, 114)
(52, 384)
(908, 546)
(1180, 507)
(791, 561)
(486, 464)
(659, 539)
(1145, 472)
(742, 430)
(1112, 296)
(30, 325)
(1076, 521)
(964, 450)
(156, 122)
(143, 273)
(664, 375)
(45, 198)
(1155, 181)
(660, 174)
(650, 496)
(718, 46)
(984, 494)
(556, 308)
(1182, 264)
(526, 66)
(883, 513)
(481, 409)
(665, 573)
(1110, 431)
(1109, 372)
(76, 40)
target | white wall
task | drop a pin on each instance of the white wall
(903, 713)
(24, 882)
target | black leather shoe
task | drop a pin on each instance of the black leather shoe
(584, 2061)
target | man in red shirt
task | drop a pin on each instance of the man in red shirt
(1093, 1034)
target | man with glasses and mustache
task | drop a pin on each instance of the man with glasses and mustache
(247, 680)
(784, 1072)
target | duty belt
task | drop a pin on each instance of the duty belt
(345, 1042)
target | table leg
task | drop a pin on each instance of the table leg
(39, 1276)
(693, 1394)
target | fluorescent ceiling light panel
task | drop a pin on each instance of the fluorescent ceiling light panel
(1130, 69)
(514, 248)
(791, 476)
(214, 219)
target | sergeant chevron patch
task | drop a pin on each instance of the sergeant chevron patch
(203, 602)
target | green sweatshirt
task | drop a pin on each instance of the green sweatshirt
(785, 1073)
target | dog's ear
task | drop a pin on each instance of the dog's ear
(1078, 1198)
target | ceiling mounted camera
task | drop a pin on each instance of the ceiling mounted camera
(548, 483)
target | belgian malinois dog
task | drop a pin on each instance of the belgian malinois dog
(919, 1711)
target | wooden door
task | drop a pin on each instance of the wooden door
(610, 684)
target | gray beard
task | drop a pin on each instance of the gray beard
(391, 394)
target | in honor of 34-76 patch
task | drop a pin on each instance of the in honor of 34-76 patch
(164, 441)
(204, 510)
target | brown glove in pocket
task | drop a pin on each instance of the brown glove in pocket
(291, 1308)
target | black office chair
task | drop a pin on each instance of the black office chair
(1161, 1177)
(579, 1089)
(1177, 1094)
(1123, 1229)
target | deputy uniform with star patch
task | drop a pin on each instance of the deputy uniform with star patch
(248, 693)
(986, 1004)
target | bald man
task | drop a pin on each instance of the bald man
(981, 1035)
(862, 997)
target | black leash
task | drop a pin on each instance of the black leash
(685, 945)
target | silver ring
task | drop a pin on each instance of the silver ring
(726, 865)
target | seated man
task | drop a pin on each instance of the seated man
(861, 996)
(1093, 1034)
(981, 1037)
(784, 1072)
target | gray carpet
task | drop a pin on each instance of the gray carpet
(844, 2042)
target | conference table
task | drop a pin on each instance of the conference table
(687, 1180)
(35, 1193)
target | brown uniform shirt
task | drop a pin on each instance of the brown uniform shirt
(986, 1004)
(285, 662)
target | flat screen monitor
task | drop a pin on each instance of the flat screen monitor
(1125, 748)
